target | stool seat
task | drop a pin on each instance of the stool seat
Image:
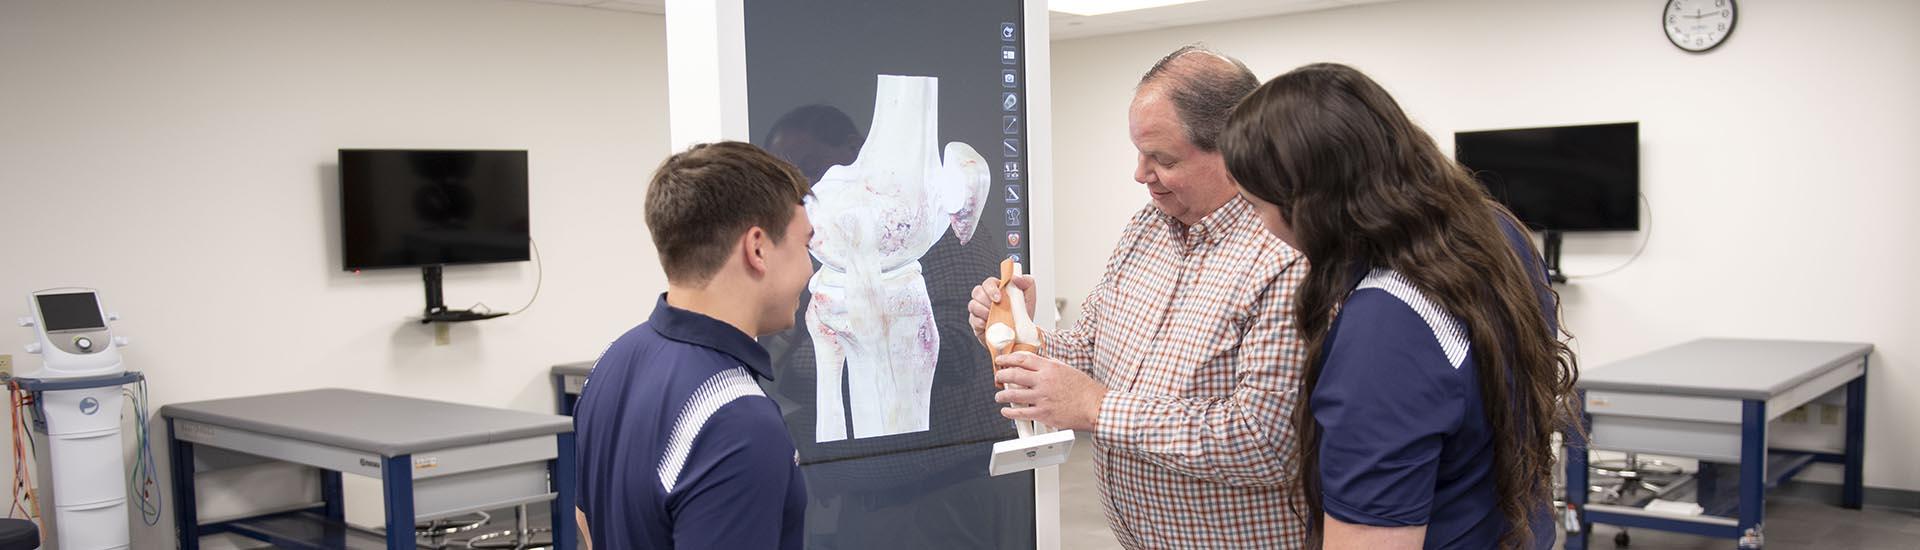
(19, 534)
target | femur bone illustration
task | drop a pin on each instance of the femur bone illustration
(873, 220)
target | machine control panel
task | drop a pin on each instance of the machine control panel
(72, 319)
(72, 334)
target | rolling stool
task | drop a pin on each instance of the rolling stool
(433, 534)
(19, 534)
(1623, 482)
(520, 537)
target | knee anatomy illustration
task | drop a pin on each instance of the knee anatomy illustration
(870, 316)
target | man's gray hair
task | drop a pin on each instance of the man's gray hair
(1204, 85)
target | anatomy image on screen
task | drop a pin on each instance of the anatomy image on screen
(873, 220)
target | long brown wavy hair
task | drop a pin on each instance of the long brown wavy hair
(1362, 187)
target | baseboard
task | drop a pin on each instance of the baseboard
(1830, 492)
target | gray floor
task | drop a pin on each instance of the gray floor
(1791, 523)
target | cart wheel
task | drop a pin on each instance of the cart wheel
(1620, 539)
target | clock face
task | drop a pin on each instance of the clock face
(1698, 25)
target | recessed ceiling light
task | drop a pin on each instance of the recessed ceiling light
(1103, 7)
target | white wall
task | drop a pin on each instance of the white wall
(179, 157)
(1781, 168)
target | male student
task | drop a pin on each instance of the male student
(678, 447)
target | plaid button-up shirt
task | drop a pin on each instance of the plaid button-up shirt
(1192, 334)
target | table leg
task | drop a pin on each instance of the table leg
(333, 495)
(1576, 447)
(1753, 473)
(186, 520)
(1707, 483)
(396, 482)
(563, 469)
(1852, 494)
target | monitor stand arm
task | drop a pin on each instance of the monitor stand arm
(1551, 255)
(437, 311)
(436, 300)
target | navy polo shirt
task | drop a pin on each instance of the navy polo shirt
(1404, 435)
(678, 447)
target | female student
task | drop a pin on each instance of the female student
(1435, 375)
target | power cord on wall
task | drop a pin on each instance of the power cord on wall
(1648, 207)
(539, 277)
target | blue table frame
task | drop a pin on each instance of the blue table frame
(1760, 469)
(323, 525)
(568, 379)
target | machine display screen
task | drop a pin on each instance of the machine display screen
(77, 311)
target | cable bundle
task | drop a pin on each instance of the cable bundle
(26, 499)
(26, 502)
(145, 490)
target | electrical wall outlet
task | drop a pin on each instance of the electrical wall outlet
(1829, 414)
(1797, 416)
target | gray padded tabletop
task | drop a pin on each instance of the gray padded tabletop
(1728, 368)
(577, 368)
(388, 425)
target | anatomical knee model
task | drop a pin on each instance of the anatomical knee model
(870, 316)
(1011, 329)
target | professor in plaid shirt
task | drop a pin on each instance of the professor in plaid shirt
(1185, 365)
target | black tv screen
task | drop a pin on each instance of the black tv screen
(407, 208)
(1566, 178)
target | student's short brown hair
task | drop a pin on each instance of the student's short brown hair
(702, 199)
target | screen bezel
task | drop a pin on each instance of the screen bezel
(1035, 222)
(98, 318)
(340, 165)
(1633, 225)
